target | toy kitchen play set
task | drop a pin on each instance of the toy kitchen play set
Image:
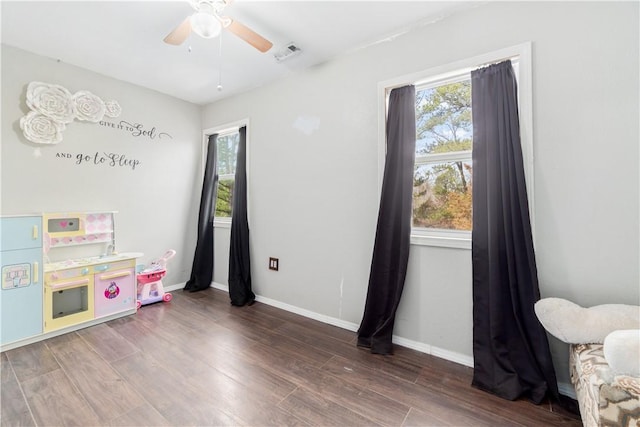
(60, 272)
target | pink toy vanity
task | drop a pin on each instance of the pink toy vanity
(150, 288)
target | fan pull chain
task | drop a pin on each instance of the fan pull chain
(220, 66)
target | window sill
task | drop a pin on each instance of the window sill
(222, 222)
(442, 239)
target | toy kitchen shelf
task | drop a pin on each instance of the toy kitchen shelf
(86, 281)
(78, 229)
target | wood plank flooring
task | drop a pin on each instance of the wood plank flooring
(200, 361)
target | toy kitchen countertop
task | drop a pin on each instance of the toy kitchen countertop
(89, 261)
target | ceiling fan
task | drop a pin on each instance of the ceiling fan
(207, 22)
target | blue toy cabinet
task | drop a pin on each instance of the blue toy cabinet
(21, 278)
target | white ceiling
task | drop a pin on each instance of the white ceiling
(123, 39)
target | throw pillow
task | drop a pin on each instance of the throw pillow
(574, 324)
(622, 352)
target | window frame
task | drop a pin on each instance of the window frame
(222, 130)
(448, 73)
(423, 235)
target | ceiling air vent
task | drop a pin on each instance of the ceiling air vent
(287, 52)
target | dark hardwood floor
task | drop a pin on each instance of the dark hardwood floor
(199, 361)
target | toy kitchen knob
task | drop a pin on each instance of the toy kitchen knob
(84, 271)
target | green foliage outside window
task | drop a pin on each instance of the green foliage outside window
(227, 149)
(442, 189)
(224, 202)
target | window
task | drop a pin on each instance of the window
(443, 172)
(226, 157)
(442, 177)
(227, 145)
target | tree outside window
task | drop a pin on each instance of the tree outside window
(443, 170)
(227, 146)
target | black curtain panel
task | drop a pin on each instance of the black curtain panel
(202, 269)
(239, 261)
(391, 247)
(510, 348)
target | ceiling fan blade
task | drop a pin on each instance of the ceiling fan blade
(246, 34)
(180, 34)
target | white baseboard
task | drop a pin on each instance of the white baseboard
(175, 287)
(310, 314)
(452, 356)
(220, 286)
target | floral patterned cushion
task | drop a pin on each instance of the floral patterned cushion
(604, 398)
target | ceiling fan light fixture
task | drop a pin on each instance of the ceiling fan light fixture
(205, 25)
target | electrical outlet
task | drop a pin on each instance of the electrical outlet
(273, 263)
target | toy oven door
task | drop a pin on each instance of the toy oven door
(68, 302)
(114, 292)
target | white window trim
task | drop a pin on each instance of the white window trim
(454, 156)
(455, 238)
(222, 129)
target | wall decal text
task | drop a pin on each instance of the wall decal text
(101, 158)
(136, 129)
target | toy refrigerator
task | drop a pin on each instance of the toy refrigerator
(21, 264)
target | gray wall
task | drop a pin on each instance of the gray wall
(313, 198)
(155, 200)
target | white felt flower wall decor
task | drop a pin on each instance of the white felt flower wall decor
(112, 108)
(53, 107)
(41, 129)
(52, 101)
(88, 106)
